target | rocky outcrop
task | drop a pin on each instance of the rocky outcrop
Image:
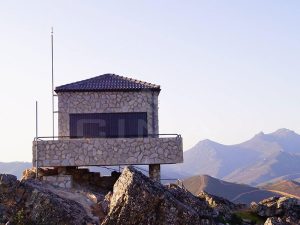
(138, 200)
(222, 206)
(275, 221)
(8, 196)
(135, 200)
(29, 202)
(280, 210)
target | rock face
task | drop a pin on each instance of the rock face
(281, 210)
(8, 197)
(28, 202)
(138, 200)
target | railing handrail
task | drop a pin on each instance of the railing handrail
(81, 137)
(179, 182)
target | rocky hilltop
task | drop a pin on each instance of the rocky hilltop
(135, 200)
(30, 202)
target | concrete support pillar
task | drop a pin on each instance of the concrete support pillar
(61, 170)
(154, 172)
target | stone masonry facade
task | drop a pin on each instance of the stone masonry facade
(107, 102)
(108, 151)
(63, 181)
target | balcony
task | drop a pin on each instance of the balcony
(159, 149)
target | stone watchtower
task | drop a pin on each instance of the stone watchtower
(108, 120)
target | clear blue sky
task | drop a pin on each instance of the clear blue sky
(228, 69)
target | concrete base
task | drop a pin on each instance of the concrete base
(154, 172)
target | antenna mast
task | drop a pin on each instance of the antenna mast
(52, 89)
(36, 138)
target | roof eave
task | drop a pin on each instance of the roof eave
(107, 90)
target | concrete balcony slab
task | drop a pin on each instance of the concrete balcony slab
(107, 151)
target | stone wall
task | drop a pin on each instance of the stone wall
(107, 102)
(76, 177)
(108, 151)
(63, 181)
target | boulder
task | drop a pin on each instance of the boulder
(41, 206)
(29, 174)
(8, 196)
(275, 221)
(221, 205)
(136, 199)
(282, 210)
(30, 202)
(7, 181)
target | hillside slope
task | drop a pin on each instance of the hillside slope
(285, 186)
(237, 193)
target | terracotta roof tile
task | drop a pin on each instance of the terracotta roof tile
(107, 82)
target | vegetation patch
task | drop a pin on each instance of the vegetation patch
(248, 215)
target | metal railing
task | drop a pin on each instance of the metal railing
(43, 138)
(178, 182)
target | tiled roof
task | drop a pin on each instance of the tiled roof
(108, 82)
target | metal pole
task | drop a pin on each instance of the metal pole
(52, 88)
(36, 138)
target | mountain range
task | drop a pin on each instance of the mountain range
(15, 168)
(263, 158)
(269, 161)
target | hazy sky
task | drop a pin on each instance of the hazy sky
(227, 69)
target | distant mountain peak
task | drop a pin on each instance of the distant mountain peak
(260, 134)
(280, 133)
(283, 132)
(206, 177)
(208, 142)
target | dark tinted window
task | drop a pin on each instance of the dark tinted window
(108, 125)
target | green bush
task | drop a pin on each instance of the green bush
(255, 219)
(20, 218)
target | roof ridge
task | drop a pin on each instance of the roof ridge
(108, 82)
